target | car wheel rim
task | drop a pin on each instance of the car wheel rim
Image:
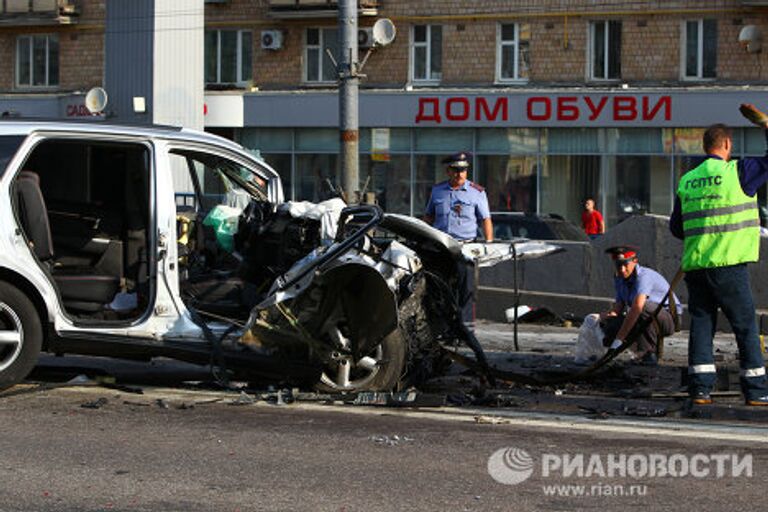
(343, 373)
(11, 336)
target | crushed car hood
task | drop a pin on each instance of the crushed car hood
(483, 254)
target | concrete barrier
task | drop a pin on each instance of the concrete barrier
(580, 279)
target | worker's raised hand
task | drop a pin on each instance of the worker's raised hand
(754, 115)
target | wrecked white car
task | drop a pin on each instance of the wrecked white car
(144, 242)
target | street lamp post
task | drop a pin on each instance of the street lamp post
(349, 132)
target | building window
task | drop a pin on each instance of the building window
(512, 57)
(700, 49)
(318, 66)
(37, 61)
(228, 56)
(605, 46)
(427, 53)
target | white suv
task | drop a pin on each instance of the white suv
(142, 242)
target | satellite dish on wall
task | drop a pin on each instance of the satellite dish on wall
(751, 39)
(96, 100)
(384, 32)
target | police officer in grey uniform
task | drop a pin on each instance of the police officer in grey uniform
(458, 207)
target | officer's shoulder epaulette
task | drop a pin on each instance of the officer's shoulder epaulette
(476, 186)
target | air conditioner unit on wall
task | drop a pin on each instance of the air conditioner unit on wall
(365, 37)
(17, 6)
(271, 39)
(44, 5)
(68, 8)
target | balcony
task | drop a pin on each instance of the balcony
(21, 13)
(304, 9)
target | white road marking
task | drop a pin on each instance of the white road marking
(727, 432)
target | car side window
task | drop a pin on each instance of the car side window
(203, 181)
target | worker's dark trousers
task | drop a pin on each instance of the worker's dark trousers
(648, 341)
(727, 288)
(466, 292)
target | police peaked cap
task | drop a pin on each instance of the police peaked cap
(460, 160)
(622, 253)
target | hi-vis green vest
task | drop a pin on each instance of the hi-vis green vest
(720, 221)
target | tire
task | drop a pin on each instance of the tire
(381, 370)
(21, 335)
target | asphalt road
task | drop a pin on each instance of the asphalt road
(179, 449)
(194, 451)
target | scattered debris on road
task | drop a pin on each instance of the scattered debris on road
(95, 404)
(393, 440)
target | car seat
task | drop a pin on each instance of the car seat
(81, 288)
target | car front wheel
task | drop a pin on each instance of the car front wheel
(21, 335)
(379, 370)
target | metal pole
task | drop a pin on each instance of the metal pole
(517, 294)
(348, 93)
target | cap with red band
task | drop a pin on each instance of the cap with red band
(622, 252)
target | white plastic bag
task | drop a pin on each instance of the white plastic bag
(589, 344)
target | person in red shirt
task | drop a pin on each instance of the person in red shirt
(592, 220)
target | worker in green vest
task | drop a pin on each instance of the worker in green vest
(716, 216)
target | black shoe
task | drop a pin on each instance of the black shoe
(759, 401)
(705, 399)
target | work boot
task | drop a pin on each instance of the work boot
(701, 398)
(759, 401)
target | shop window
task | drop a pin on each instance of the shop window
(317, 177)
(37, 61)
(389, 181)
(754, 142)
(566, 181)
(318, 66)
(570, 141)
(281, 163)
(508, 140)
(700, 49)
(323, 140)
(396, 139)
(429, 171)
(634, 141)
(636, 185)
(510, 182)
(439, 140)
(228, 57)
(629, 187)
(661, 194)
(267, 140)
(605, 48)
(426, 53)
(512, 55)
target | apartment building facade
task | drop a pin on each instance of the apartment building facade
(558, 100)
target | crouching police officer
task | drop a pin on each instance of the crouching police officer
(639, 291)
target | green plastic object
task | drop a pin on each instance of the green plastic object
(223, 219)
